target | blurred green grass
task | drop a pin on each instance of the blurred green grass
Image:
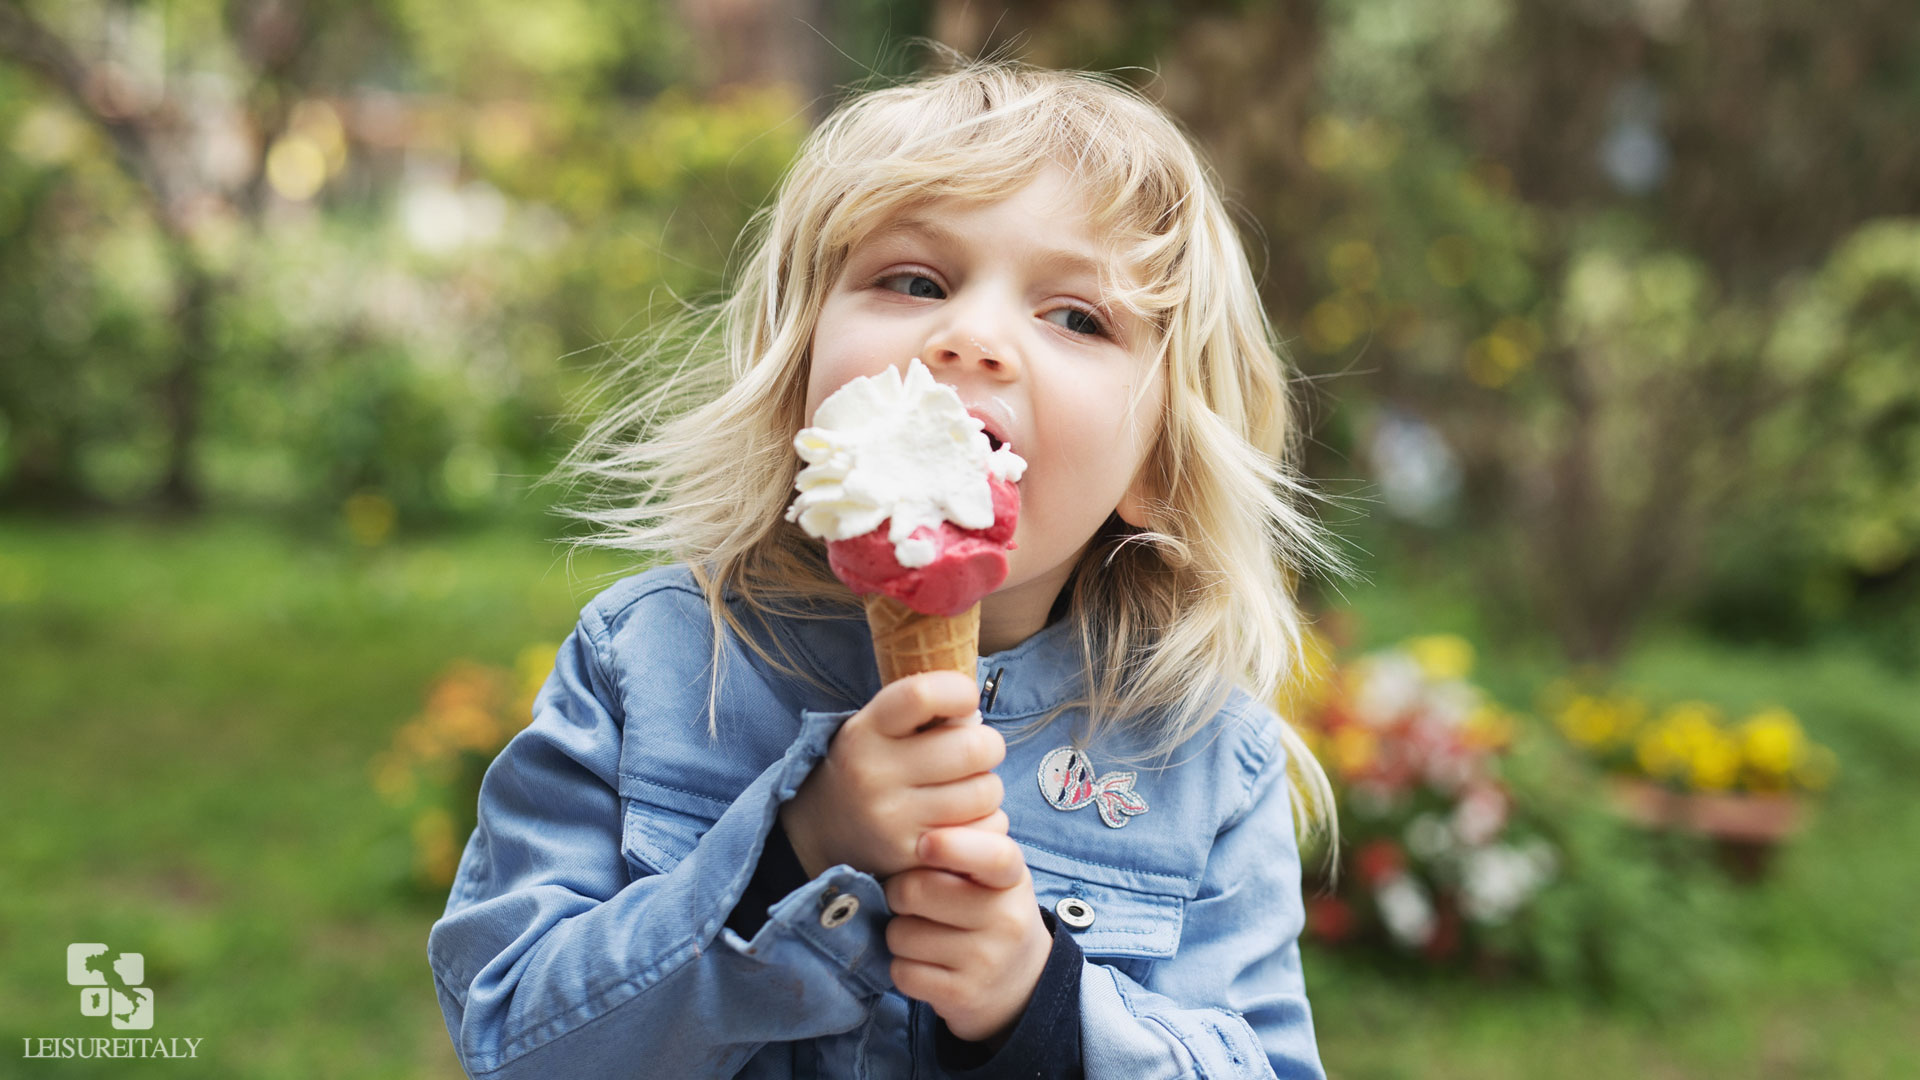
(190, 712)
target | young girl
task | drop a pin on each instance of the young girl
(723, 849)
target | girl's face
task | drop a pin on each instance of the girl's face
(1002, 302)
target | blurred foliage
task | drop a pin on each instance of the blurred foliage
(1693, 745)
(432, 771)
(1474, 841)
(406, 243)
(1615, 305)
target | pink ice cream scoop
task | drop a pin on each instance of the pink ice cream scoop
(970, 563)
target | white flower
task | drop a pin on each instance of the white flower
(1495, 881)
(1391, 686)
(1406, 910)
(1429, 837)
(1480, 815)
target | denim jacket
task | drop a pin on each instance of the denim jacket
(585, 934)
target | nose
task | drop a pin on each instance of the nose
(972, 339)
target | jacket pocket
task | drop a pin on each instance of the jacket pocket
(661, 823)
(1119, 921)
(654, 839)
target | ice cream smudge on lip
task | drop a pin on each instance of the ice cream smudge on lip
(911, 498)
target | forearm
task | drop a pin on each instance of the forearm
(549, 979)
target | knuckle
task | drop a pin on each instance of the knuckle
(932, 845)
(993, 745)
(904, 891)
(993, 788)
(961, 688)
(917, 695)
(1006, 857)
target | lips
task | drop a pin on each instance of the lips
(993, 424)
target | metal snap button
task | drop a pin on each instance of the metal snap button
(839, 909)
(990, 690)
(1075, 912)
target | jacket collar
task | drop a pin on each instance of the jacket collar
(1035, 675)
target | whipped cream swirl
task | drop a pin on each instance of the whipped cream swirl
(882, 447)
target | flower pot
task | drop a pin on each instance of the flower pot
(1745, 827)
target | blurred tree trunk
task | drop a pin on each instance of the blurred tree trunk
(45, 471)
(759, 42)
(138, 137)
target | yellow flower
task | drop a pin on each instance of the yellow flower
(533, 665)
(1442, 656)
(1489, 727)
(1354, 748)
(468, 728)
(1714, 763)
(1600, 722)
(1659, 753)
(1772, 741)
(370, 517)
(1586, 720)
(1301, 696)
(436, 852)
(393, 779)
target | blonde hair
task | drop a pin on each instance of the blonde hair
(1169, 616)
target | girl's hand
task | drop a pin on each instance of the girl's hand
(885, 781)
(967, 937)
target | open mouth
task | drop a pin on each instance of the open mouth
(992, 425)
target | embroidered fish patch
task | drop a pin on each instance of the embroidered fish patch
(1067, 782)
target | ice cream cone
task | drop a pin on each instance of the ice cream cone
(905, 642)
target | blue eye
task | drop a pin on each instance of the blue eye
(918, 285)
(1078, 320)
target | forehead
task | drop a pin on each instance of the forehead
(1044, 218)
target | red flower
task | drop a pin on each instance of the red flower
(1378, 860)
(1330, 918)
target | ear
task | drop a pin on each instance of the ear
(1140, 494)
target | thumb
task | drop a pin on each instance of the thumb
(907, 706)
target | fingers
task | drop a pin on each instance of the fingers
(960, 802)
(948, 753)
(993, 860)
(995, 822)
(912, 937)
(905, 705)
(939, 896)
(923, 981)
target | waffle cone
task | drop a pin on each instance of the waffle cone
(905, 642)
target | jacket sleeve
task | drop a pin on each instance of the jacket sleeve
(1232, 1001)
(553, 960)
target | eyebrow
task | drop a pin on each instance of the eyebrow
(1056, 259)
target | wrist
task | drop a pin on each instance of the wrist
(800, 838)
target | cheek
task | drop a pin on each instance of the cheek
(1089, 461)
